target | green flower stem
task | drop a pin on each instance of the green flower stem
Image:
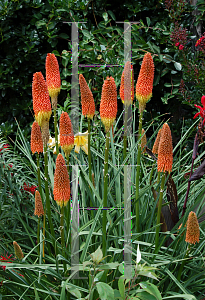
(151, 173)
(183, 263)
(68, 212)
(89, 162)
(39, 175)
(38, 235)
(159, 211)
(56, 131)
(125, 133)
(62, 234)
(89, 153)
(105, 193)
(137, 208)
(48, 208)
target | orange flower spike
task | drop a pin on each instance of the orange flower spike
(145, 79)
(36, 138)
(66, 133)
(41, 99)
(38, 205)
(61, 189)
(193, 231)
(127, 84)
(53, 78)
(156, 143)
(108, 104)
(165, 151)
(87, 100)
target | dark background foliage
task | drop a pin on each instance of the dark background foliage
(31, 29)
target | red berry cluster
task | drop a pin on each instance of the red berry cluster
(28, 188)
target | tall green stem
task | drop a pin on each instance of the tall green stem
(137, 207)
(39, 175)
(89, 153)
(125, 133)
(105, 193)
(159, 212)
(62, 234)
(48, 208)
(56, 131)
(68, 213)
(38, 235)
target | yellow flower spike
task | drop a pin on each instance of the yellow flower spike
(81, 141)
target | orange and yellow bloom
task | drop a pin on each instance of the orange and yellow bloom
(36, 138)
(165, 151)
(17, 249)
(108, 104)
(61, 189)
(145, 79)
(127, 84)
(192, 231)
(53, 78)
(41, 99)
(66, 133)
(87, 100)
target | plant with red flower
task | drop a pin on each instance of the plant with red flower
(177, 44)
(181, 47)
(202, 110)
(28, 188)
(6, 146)
(6, 258)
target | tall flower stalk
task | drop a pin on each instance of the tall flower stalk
(39, 211)
(164, 164)
(42, 110)
(61, 192)
(88, 110)
(108, 112)
(144, 88)
(67, 144)
(192, 236)
(54, 85)
(127, 97)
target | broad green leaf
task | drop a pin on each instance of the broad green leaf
(181, 296)
(105, 291)
(178, 66)
(86, 33)
(145, 296)
(151, 289)
(121, 287)
(97, 255)
(112, 15)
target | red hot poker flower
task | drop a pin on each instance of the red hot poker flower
(145, 79)
(36, 138)
(41, 99)
(61, 189)
(87, 100)
(127, 84)
(66, 133)
(202, 110)
(165, 150)
(53, 78)
(108, 104)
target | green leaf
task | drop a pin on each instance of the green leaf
(105, 16)
(112, 15)
(97, 255)
(105, 291)
(178, 66)
(148, 21)
(121, 287)
(64, 36)
(181, 296)
(151, 289)
(145, 296)
(86, 33)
